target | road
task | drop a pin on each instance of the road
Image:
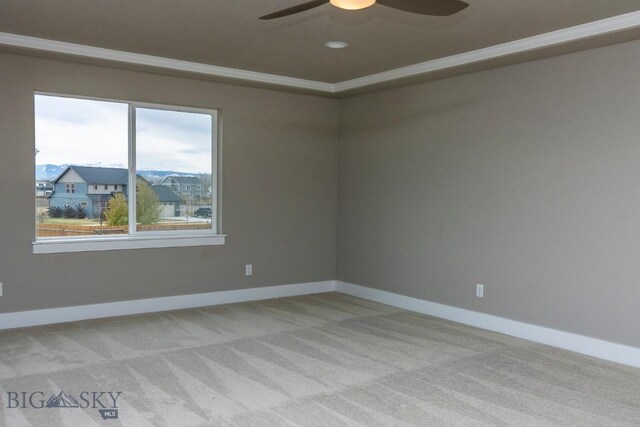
(186, 219)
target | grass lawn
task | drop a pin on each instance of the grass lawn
(71, 221)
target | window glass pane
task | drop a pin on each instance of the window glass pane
(175, 190)
(81, 150)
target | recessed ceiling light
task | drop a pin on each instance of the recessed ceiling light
(336, 45)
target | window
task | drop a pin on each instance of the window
(131, 145)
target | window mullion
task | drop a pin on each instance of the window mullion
(132, 169)
(216, 171)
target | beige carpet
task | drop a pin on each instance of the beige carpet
(322, 360)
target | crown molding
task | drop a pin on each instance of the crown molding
(54, 46)
(601, 27)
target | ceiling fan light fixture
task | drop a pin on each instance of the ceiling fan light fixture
(420, 7)
(352, 4)
(336, 45)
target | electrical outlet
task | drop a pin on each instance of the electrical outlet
(248, 270)
(480, 290)
(0, 289)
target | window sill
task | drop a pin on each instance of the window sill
(53, 246)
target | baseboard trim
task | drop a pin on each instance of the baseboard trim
(595, 347)
(49, 316)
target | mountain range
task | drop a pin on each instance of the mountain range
(51, 171)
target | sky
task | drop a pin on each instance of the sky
(89, 132)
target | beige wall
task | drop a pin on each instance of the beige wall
(279, 192)
(524, 178)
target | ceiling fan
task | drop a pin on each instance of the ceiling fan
(422, 7)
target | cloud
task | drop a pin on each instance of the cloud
(76, 111)
(173, 140)
(74, 131)
(175, 123)
(79, 131)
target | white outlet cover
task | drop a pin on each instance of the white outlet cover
(480, 290)
(248, 270)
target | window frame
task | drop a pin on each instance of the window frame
(146, 239)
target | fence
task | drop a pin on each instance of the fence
(68, 230)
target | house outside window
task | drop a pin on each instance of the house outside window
(146, 138)
(195, 182)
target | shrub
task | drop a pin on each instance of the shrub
(148, 209)
(69, 211)
(55, 212)
(117, 212)
(80, 213)
(42, 215)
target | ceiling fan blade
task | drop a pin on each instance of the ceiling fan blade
(295, 9)
(426, 7)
